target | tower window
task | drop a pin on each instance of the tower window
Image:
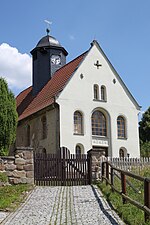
(99, 124)
(78, 123)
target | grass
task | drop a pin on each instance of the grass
(3, 177)
(129, 213)
(12, 196)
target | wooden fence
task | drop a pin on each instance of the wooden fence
(108, 174)
(65, 169)
(135, 165)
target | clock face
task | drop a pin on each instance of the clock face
(55, 59)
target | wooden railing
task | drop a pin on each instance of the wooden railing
(108, 173)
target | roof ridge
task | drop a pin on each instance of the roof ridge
(23, 91)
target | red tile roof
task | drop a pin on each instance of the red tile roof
(28, 104)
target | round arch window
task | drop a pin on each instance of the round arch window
(121, 153)
(78, 150)
(99, 124)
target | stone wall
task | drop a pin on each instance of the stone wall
(20, 167)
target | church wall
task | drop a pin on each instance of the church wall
(78, 95)
(51, 143)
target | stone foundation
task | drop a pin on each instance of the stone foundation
(20, 167)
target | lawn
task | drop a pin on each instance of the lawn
(129, 213)
(12, 196)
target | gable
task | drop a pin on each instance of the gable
(117, 76)
(80, 86)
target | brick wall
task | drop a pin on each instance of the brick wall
(20, 167)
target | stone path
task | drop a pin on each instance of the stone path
(77, 205)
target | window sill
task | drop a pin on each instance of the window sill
(78, 134)
(98, 100)
(120, 138)
(98, 136)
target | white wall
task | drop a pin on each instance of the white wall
(78, 95)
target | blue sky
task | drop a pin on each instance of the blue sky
(122, 29)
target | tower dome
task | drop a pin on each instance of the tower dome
(48, 41)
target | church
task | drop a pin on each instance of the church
(80, 105)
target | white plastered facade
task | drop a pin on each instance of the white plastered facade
(78, 95)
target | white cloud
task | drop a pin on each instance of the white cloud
(15, 67)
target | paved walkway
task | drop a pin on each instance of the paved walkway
(77, 205)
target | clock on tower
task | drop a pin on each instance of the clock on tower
(55, 60)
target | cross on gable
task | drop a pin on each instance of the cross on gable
(97, 64)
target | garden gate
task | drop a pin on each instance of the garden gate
(61, 169)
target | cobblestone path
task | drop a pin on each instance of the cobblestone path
(77, 205)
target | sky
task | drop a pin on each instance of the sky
(122, 29)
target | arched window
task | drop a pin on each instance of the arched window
(44, 127)
(28, 135)
(103, 93)
(99, 124)
(78, 123)
(121, 127)
(78, 150)
(96, 91)
(121, 153)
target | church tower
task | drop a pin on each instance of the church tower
(47, 57)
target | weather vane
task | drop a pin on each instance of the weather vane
(48, 26)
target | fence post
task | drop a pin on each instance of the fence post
(103, 171)
(112, 177)
(147, 197)
(123, 185)
(107, 172)
(89, 162)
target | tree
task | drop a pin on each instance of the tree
(8, 117)
(145, 148)
(144, 131)
(145, 126)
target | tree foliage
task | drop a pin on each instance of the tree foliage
(145, 126)
(8, 117)
(145, 148)
(144, 130)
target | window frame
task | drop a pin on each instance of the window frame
(99, 124)
(103, 93)
(78, 123)
(96, 92)
(121, 127)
